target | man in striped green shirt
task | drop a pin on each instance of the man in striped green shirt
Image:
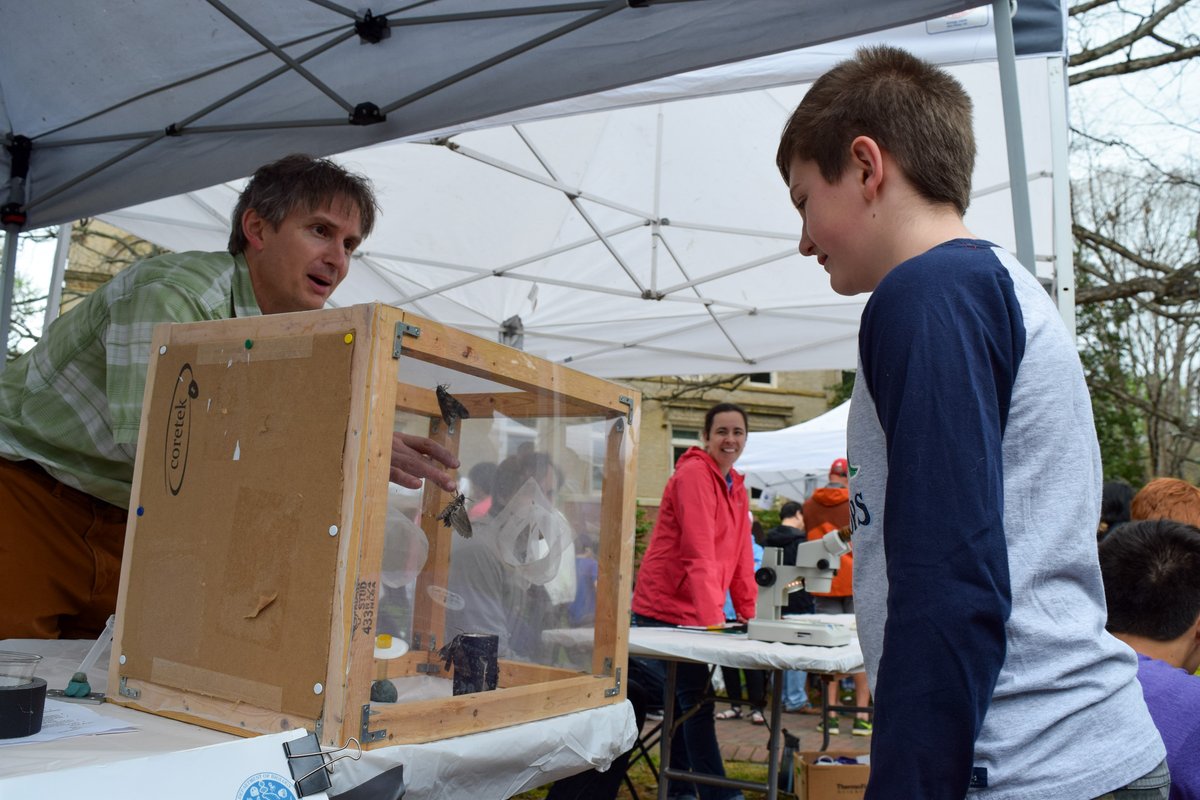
(71, 407)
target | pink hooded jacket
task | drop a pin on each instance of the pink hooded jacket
(700, 548)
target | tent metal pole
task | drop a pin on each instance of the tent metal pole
(54, 294)
(1064, 245)
(656, 221)
(10, 278)
(1006, 58)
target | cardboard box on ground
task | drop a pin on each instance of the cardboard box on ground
(831, 781)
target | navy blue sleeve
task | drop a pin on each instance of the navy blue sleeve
(940, 346)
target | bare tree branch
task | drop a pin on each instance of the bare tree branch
(1134, 65)
(1121, 42)
(680, 388)
(1083, 8)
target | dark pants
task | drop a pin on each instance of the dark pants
(755, 693)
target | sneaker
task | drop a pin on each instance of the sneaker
(861, 728)
(654, 716)
(834, 730)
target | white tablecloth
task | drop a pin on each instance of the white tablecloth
(495, 764)
(739, 650)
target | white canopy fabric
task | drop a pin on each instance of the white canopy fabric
(790, 461)
(654, 237)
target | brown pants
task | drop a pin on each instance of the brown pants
(60, 556)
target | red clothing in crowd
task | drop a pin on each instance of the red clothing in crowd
(828, 509)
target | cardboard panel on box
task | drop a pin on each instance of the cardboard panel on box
(831, 781)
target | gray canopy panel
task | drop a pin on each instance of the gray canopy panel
(124, 101)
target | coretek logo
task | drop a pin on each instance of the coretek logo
(179, 429)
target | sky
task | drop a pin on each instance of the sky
(35, 261)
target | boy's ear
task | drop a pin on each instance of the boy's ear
(867, 160)
(252, 228)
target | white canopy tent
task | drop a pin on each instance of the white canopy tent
(790, 462)
(205, 92)
(651, 237)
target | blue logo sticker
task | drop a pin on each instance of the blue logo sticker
(266, 786)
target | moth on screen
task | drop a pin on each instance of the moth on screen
(451, 409)
(454, 515)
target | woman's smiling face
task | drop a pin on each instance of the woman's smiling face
(726, 439)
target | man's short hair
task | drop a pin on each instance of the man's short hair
(912, 109)
(1167, 498)
(1151, 573)
(300, 181)
(789, 509)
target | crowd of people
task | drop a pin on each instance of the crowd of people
(1007, 654)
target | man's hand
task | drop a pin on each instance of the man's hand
(413, 458)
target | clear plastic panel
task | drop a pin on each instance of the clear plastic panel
(508, 573)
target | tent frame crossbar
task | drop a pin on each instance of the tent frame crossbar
(572, 192)
(604, 11)
(581, 211)
(293, 64)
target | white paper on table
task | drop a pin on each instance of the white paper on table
(63, 720)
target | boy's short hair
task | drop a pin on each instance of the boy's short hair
(912, 109)
(1115, 499)
(789, 509)
(1151, 572)
(300, 181)
(1167, 498)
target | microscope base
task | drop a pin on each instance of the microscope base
(799, 631)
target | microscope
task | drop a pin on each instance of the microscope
(816, 564)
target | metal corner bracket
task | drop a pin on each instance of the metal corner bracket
(616, 687)
(403, 328)
(626, 400)
(370, 735)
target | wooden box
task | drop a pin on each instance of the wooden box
(267, 551)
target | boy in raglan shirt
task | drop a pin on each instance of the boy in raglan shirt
(979, 600)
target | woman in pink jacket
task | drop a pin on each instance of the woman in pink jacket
(700, 548)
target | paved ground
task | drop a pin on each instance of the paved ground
(741, 740)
